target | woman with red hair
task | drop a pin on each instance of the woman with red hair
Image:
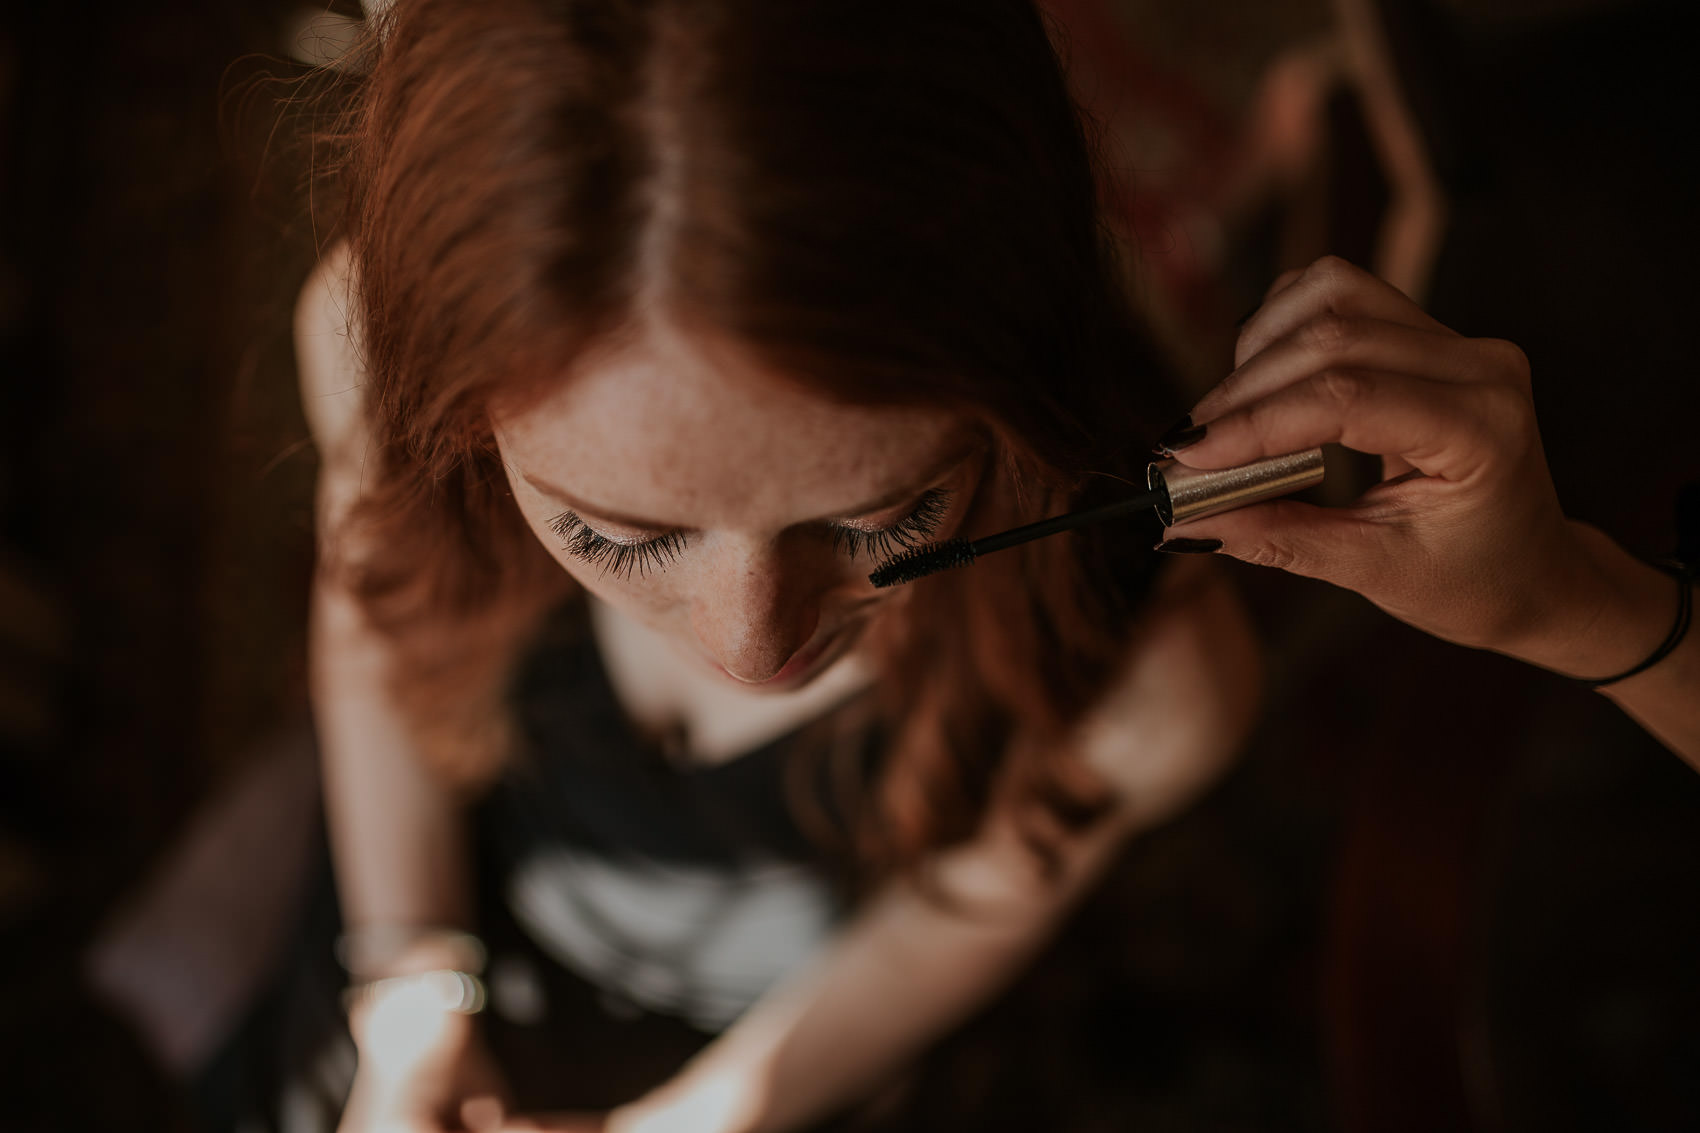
(654, 326)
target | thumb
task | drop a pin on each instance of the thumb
(1334, 545)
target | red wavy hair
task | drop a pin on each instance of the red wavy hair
(889, 201)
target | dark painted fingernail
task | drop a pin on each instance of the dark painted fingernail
(1246, 318)
(1181, 434)
(1189, 546)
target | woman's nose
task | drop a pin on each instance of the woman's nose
(754, 615)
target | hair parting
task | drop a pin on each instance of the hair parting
(890, 203)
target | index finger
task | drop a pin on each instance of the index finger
(1442, 429)
(1330, 286)
(1336, 342)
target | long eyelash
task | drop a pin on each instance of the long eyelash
(912, 530)
(622, 560)
(618, 559)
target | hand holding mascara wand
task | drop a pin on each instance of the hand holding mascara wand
(1464, 539)
(1176, 493)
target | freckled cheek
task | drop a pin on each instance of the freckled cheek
(653, 592)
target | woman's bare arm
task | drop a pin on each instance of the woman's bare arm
(907, 970)
(396, 832)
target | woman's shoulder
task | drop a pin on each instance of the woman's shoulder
(1178, 711)
(327, 354)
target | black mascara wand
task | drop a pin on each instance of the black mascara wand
(1178, 494)
(935, 557)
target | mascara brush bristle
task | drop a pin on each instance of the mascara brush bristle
(923, 561)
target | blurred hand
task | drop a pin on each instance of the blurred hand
(1465, 538)
(422, 1069)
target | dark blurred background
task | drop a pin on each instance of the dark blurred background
(1442, 891)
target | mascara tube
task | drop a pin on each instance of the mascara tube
(1193, 493)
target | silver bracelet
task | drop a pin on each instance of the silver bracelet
(443, 988)
(372, 948)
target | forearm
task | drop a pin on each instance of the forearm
(1666, 700)
(903, 973)
(1629, 608)
(396, 831)
(874, 1002)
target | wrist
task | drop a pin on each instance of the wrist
(399, 1020)
(1613, 611)
(407, 977)
(376, 952)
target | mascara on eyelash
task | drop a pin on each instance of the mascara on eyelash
(921, 523)
(619, 559)
(1177, 493)
(584, 542)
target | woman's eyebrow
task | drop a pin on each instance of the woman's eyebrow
(889, 499)
(560, 496)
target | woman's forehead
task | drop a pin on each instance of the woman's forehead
(685, 438)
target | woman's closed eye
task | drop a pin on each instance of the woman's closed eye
(623, 558)
(614, 556)
(921, 524)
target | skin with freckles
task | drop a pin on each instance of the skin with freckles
(766, 503)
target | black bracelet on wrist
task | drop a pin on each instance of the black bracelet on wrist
(1684, 575)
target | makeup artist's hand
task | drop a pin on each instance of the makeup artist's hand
(1465, 538)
